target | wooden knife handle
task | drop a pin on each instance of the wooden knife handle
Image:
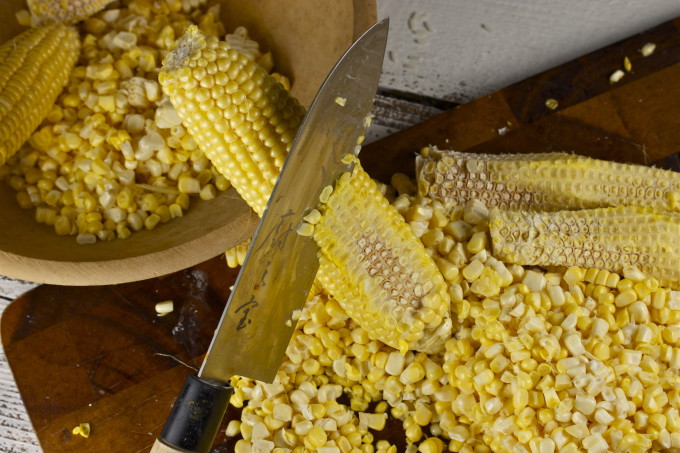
(160, 447)
(195, 417)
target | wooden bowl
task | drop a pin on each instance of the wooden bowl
(306, 37)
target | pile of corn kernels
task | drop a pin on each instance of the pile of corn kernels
(565, 360)
(112, 157)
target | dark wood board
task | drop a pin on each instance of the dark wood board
(101, 355)
(634, 120)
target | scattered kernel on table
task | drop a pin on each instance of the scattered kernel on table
(616, 76)
(551, 103)
(648, 49)
(82, 430)
(164, 307)
(627, 65)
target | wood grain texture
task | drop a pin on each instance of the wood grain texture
(106, 358)
(628, 121)
(16, 433)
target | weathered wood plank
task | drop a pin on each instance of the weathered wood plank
(459, 50)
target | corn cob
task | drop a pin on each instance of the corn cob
(266, 131)
(378, 270)
(547, 182)
(240, 117)
(246, 131)
(111, 157)
(602, 238)
(33, 70)
(64, 11)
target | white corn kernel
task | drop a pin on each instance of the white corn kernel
(165, 307)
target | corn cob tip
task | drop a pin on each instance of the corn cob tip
(187, 45)
(64, 11)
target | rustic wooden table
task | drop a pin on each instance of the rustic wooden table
(440, 53)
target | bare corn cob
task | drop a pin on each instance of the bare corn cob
(241, 118)
(64, 11)
(602, 238)
(378, 270)
(547, 182)
(33, 70)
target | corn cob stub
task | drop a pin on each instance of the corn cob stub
(241, 118)
(34, 67)
(603, 238)
(544, 181)
(64, 11)
(377, 269)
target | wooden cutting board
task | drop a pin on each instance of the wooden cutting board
(101, 355)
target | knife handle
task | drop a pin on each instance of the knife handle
(195, 417)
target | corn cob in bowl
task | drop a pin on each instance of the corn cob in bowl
(34, 67)
(103, 81)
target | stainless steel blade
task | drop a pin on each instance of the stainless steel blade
(280, 267)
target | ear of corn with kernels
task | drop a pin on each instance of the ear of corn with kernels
(241, 118)
(34, 68)
(112, 157)
(572, 360)
(545, 181)
(64, 11)
(378, 270)
(604, 238)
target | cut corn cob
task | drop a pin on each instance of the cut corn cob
(378, 270)
(64, 11)
(547, 182)
(245, 123)
(602, 238)
(241, 118)
(33, 70)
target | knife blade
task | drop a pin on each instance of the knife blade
(280, 267)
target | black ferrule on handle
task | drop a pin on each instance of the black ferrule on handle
(196, 415)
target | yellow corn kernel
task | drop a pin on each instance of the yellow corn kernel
(431, 445)
(316, 438)
(477, 242)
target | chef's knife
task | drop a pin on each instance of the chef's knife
(280, 267)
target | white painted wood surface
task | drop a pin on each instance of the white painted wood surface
(439, 50)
